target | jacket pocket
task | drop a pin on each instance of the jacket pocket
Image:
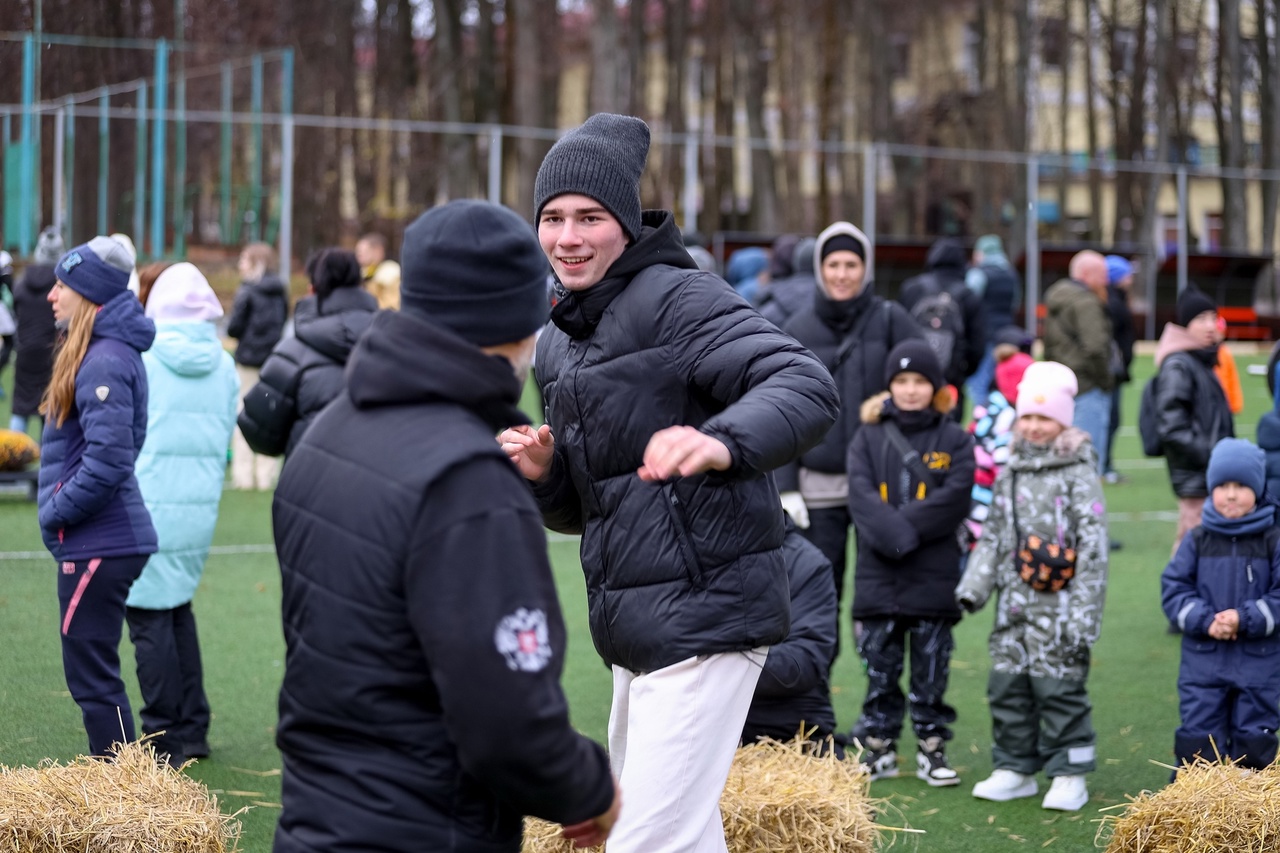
(684, 538)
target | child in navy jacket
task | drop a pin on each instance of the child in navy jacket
(908, 494)
(1222, 590)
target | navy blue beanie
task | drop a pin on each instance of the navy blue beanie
(1237, 460)
(97, 270)
(477, 269)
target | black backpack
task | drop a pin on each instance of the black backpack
(941, 318)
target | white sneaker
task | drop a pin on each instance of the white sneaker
(1005, 785)
(1066, 794)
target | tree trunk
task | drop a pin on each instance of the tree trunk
(1091, 117)
(675, 18)
(1231, 125)
(636, 64)
(1151, 233)
(604, 58)
(1269, 107)
(753, 74)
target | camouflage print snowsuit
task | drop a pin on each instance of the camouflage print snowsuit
(1041, 714)
(1044, 633)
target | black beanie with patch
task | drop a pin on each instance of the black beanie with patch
(916, 356)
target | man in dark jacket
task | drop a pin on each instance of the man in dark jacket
(33, 364)
(257, 322)
(945, 273)
(997, 284)
(669, 398)
(305, 371)
(421, 707)
(1077, 333)
(785, 297)
(794, 690)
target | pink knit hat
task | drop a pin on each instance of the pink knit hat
(1009, 373)
(1048, 388)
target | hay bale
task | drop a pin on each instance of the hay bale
(127, 805)
(1210, 808)
(779, 798)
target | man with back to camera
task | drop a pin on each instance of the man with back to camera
(668, 398)
(421, 707)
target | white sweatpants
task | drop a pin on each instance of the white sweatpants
(672, 736)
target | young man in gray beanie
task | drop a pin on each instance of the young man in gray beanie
(421, 707)
(668, 398)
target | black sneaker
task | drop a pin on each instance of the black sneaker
(932, 766)
(879, 758)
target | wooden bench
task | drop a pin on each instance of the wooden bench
(1242, 324)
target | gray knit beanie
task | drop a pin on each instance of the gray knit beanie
(49, 247)
(602, 159)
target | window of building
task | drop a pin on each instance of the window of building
(899, 55)
(1053, 42)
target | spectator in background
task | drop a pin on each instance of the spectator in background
(945, 274)
(257, 321)
(997, 284)
(92, 515)
(782, 257)
(1191, 407)
(381, 275)
(785, 297)
(1269, 440)
(191, 409)
(851, 330)
(33, 361)
(8, 327)
(124, 240)
(696, 246)
(306, 371)
(794, 690)
(1124, 335)
(748, 271)
(1077, 333)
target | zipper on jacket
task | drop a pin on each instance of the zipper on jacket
(692, 566)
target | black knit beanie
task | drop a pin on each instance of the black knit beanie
(603, 159)
(477, 269)
(1191, 304)
(915, 355)
(843, 243)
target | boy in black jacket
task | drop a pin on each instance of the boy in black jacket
(910, 475)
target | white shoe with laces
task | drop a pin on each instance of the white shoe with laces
(1004, 785)
(1066, 794)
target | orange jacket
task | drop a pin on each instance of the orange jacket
(1230, 379)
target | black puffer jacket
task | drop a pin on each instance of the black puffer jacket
(945, 265)
(1001, 295)
(421, 706)
(908, 556)
(1192, 414)
(36, 334)
(257, 319)
(852, 339)
(691, 566)
(305, 372)
(794, 685)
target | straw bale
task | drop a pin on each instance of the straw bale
(129, 804)
(779, 798)
(1211, 807)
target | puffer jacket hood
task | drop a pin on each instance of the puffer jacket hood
(463, 374)
(947, 254)
(333, 326)
(832, 230)
(121, 318)
(1175, 338)
(188, 349)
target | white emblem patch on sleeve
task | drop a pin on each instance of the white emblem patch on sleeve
(522, 638)
(101, 392)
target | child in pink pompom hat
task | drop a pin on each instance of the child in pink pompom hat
(1043, 555)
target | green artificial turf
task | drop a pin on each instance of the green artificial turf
(1132, 683)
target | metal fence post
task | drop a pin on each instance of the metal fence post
(286, 164)
(495, 164)
(255, 190)
(104, 161)
(59, 155)
(26, 203)
(1033, 243)
(1182, 228)
(870, 169)
(158, 150)
(224, 159)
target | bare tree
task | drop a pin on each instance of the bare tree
(1229, 118)
(604, 57)
(1269, 109)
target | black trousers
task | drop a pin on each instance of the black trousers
(91, 595)
(171, 678)
(882, 645)
(829, 533)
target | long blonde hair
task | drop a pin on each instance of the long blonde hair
(60, 397)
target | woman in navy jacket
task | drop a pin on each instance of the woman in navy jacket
(92, 516)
